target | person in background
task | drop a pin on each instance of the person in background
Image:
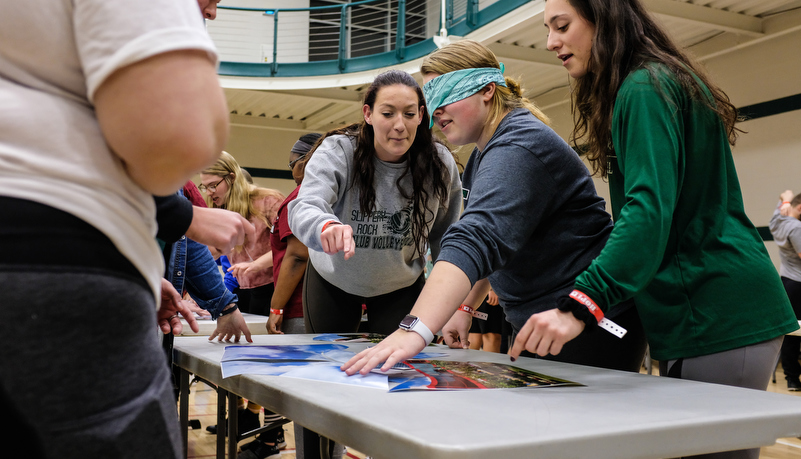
(191, 268)
(79, 216)
(786, 230)
(375, 195)
(225, 187)
(290, 257)
(532, 219)
(485, 333)
(222, 260)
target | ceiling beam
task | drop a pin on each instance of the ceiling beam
(337, 95)
(703, 16)
(333, 115)
(507, 52)
(263, 122)
(774, 26)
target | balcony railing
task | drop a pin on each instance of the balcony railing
(340, 36)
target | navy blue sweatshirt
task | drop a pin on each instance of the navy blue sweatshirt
(532, 219)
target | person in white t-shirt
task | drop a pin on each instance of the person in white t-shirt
(102, 106)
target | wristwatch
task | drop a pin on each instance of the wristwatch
(412, 323)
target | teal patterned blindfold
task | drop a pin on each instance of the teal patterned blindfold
(461, 84)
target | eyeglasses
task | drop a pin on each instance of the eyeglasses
(293, 162)
(210, 188)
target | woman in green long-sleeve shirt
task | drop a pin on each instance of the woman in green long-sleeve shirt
(709, 297)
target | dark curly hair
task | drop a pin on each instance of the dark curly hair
(430, 176)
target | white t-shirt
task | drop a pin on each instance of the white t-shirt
(54, 54)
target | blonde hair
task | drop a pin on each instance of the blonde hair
(470, 54)
(241, 194)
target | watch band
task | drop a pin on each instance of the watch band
(412, 323)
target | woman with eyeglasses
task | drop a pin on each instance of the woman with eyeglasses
(532, 220)
(226, 187)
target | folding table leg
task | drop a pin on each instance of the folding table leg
(233, 428)
(222, 397)
(325, 445)
(183, 396)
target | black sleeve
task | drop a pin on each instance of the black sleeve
(173, 215)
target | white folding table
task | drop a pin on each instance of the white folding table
(614, 415)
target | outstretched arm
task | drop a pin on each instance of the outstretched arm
(445, 289)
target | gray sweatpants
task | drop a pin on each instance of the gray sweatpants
(81, 365)
(750, 367)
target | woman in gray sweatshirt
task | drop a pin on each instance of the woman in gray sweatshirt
(374, 197)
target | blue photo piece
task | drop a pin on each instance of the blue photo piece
(306, 352)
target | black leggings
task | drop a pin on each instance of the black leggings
(256, 300)
(329, 309)
(789, 352)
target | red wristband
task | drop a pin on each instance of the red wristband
(587, 301)
(277, 311)
(466, 309)
(329, 222)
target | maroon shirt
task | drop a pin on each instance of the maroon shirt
(278, 239)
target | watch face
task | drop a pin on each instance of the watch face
(408, 322)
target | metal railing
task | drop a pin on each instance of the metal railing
(359, 35)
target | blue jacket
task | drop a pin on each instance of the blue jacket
(190, 266)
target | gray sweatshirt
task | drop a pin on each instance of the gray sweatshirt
(786, 233)
(385, 259)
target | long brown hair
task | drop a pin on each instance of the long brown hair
(430, 176)
(627, 38)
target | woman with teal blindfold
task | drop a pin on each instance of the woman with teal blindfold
(532, 220)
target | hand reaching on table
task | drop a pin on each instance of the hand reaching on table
(231, 326)
(546, 332)
(457, 330)
(171, 305)
(274, 324)
(398, 346)
(192, 305)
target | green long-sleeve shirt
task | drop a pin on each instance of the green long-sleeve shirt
(682, 245)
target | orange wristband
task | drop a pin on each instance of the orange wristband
(466, 309)
(587, 301)
(330, 222)
(277, 311)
